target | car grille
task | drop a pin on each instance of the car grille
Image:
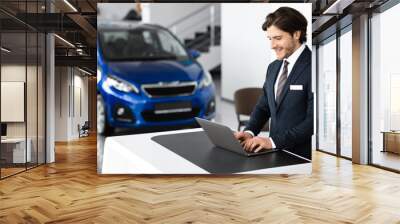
(169, 89)
(151, 116)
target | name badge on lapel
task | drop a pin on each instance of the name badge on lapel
(296, 87)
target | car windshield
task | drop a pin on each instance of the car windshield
(141, 44)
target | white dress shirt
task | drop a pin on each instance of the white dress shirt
(292, 60)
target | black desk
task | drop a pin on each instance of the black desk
(189, 152)
(197, 148)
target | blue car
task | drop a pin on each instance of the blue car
(146, 78)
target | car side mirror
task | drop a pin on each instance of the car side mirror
(194, 53)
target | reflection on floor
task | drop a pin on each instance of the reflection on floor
(386, 159)
(10, 171)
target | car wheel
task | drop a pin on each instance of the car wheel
(103, 127)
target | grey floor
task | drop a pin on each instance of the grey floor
(224, 108)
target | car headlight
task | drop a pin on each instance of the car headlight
(206, 80)
(121, 85)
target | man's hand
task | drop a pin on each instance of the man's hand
(242, 136)
(256, 144)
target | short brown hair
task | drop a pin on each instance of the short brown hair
(288, 20)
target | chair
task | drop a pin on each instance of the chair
(84, 130)
(245, 101)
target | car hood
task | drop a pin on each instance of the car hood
(145, 72)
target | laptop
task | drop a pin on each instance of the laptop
(222, 137)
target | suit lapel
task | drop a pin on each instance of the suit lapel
(271, 87)
(299, 66)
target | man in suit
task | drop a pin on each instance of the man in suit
(287, 97)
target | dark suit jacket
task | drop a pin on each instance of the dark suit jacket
(291, 118)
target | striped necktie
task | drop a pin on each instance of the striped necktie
(282, 81)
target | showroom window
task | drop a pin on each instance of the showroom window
(385, 90)
(326, 60)
(334, 93)
(22, 95)
(345, 61)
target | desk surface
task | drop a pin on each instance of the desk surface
(138, 154)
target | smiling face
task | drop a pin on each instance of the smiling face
(283, 43)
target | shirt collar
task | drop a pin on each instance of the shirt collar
(295, 55)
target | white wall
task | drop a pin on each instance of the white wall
(62, 80)
(245, 51)
(80, 84)
(12, 100)
(167, 14)
(159, 13)
(71, 87)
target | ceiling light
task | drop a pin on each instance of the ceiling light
(64, 40)
(79, 51)
(70, 5)
(337, 7)
(5, 50)
(84, 71)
